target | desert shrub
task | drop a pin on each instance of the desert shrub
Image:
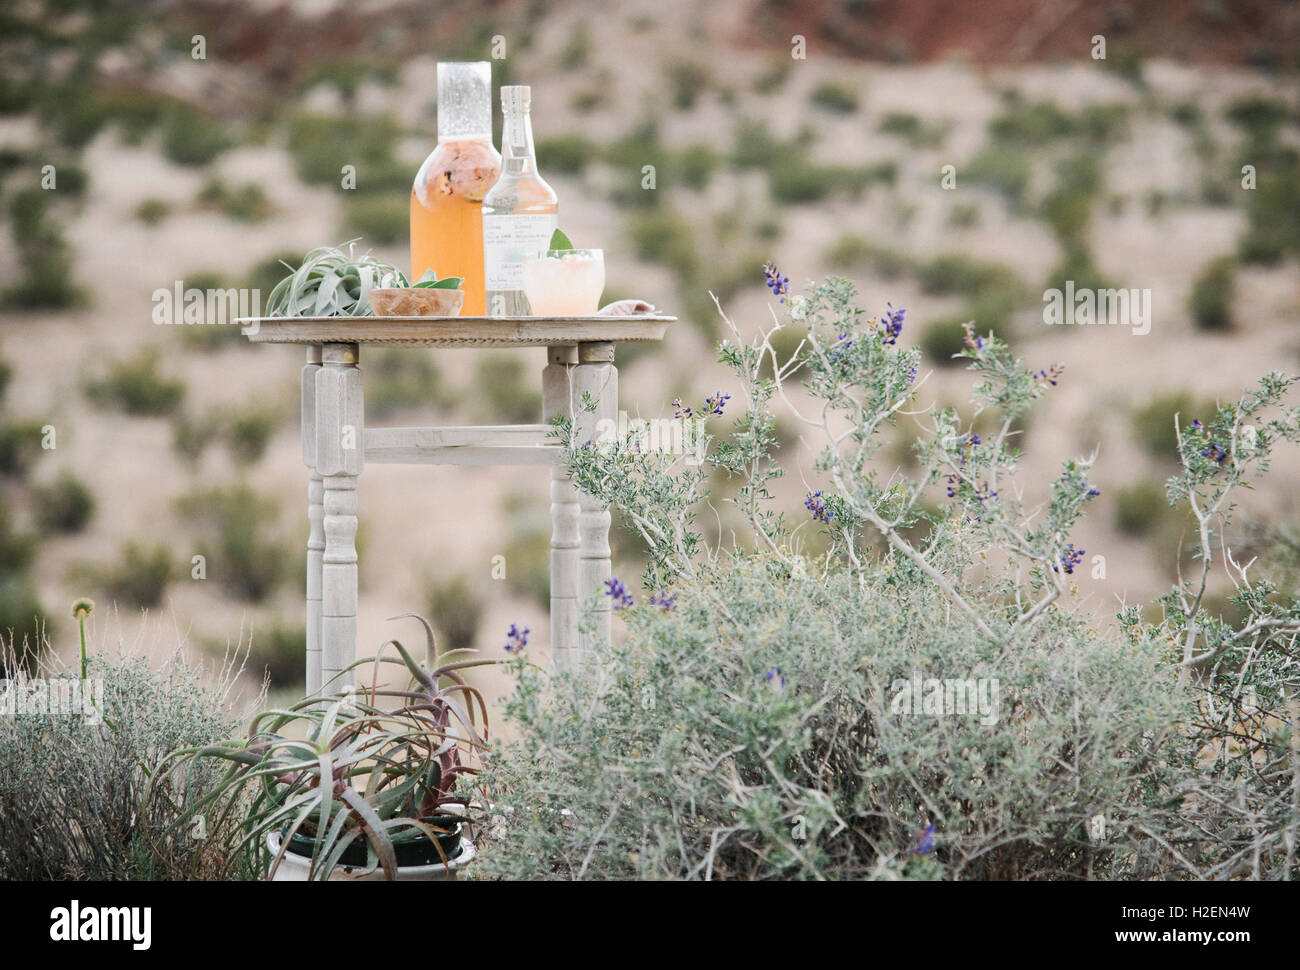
(22, 618)
(136, 386)
(243, 203)
(138, 579)
(1077, 264)
(152, 211)
(210, 337)
(577, 49)
(773, 77)
(191, 434)
(509, 397)
(377, 218)
(65, 505)
(72, 782)
(241, 552)
(1004, 170)
(1212, 294)
(835, 96)
(528, 564)
(1273, 214)
(567, 154)
(250, 429)
(46, 280)
(322, 144)
(1152, 424)
(190, 137)
(852, 251)
(399, 379)
(1030, 125)
(686, 80)
(913, 130)
(1257, 115)
(1140, 507)
(279, 654)
(663, 236)
(1068, 207)
(955, 273)
(993, 291)
(20, 443)
(964, 215)
(767, 715)
(695, 165)
(942, 339)
(456, 611)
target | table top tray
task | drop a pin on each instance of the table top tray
(458, 331)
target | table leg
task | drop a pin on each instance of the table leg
(557, 399)
(315, 517)
(340, 432)
(596, 377)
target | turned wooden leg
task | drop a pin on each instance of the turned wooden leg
(339, 457)
(596, 377)
(557, 399)
(315, 517)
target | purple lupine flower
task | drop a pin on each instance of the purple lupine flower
(665, 599)
(893, 324)
(778, 284)
(972, 340)
(952, 486)
(1049, 376)
(774, 676)
(1091, 490)
(680, 410)
(1196, 424)
(923, 841)
(817, 506)
(616, 591)
(1214, 453)
(715, 404)
(1070, 558)
(516, 639)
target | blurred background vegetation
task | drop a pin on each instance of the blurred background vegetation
(128, 162)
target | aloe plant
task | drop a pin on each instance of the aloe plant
(332, 282)
(338, 769)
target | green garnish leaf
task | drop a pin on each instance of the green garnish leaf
(559, 241)
(430, 281)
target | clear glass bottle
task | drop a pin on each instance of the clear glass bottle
(447, 198)
(519, 212)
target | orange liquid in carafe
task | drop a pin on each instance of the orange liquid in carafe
(447, 216)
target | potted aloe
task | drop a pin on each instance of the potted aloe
(338, 787)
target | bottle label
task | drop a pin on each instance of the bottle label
(505, 240)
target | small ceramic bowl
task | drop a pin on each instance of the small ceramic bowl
(415, 301)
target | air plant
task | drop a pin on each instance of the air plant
(332, 282)
(340, 772)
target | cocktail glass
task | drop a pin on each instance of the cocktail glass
(564, 282)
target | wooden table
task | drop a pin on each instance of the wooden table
(336, 445)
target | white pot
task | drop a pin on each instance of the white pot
(296, 868)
